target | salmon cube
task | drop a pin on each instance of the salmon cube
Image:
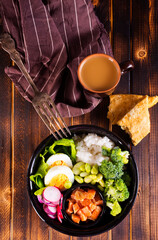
(76, 207)
(74, 192)
(92, 206)
(80, 195)
(86, 202)
(82, 216)
(75, 218)
(95, 213)
(70, 207)
(86, 211)
(91, 193)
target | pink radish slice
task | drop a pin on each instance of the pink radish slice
(40, 199)
(52, 194)
(52, 210)
(51, 216)
(49, 210)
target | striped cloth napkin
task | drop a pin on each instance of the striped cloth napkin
(53, 37)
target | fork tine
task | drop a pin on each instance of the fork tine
(50, 121)
(45, 120)
(55, 119)
(58, 113)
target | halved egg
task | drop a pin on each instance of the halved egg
(57, 176)
(59, 159)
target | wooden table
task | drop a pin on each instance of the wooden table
(133, 32)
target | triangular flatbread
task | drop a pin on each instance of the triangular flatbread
(136, 122)
(152, 101)
(120, 104)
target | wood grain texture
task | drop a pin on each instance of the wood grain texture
(122, 49)
(140, 85)
(153, 151)
(5, 147)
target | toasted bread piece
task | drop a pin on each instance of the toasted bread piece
(152, 101)
(120, 104)
(136, 122)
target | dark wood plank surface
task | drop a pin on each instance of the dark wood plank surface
(132, 26)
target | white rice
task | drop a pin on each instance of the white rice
(89, 148)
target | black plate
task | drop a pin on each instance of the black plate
(107, 222)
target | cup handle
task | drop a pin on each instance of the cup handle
(126, 66)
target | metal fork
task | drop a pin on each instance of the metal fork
(42, 102)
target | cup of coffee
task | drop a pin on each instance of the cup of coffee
(99, 73)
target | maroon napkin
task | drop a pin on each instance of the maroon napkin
(52, 38)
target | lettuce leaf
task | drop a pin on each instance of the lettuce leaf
(37, 178)
(68, 147)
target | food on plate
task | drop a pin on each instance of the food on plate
(64, 145)
(59, 159)
(88, 148)
(131, 113)
(57, 176)
(84, 159)
(113, 168)
(55, 166)
(116, 191)
(51, 198)
(84, 205)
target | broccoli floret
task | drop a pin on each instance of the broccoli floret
(111, 170)
(118, 155)
(119, 184)
(115, 208)
(117, 191)
(109, 183)
(106, 151)
(127, 179)
(125, 153)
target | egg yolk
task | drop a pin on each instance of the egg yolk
(58, 163)
(59, 181)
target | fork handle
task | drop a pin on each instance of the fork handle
(8, 45)
(15, 56)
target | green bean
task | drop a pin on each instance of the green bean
(78, 164)
(89, 178)
(99, 177)
(92, 176)
(83, 174)
(68, 184)
(101, 182)
(88, 167)
(82, 167)
(94, 169)
(79, 179)
(76, 171)
(93, 182)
